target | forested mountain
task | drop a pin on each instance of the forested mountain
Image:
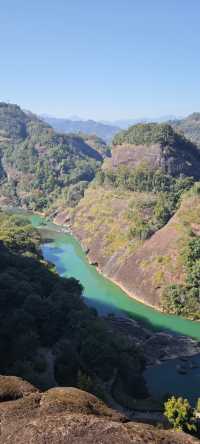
(137, 201)
(139, 220)
(159, 146)
(102, 130)
(39, 166)
(97, 143)
(190, 127)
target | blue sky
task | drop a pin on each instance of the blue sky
(104, 59)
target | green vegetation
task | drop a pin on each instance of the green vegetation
(180, 414)
(190, 127)
(167, 190)
(158, 145)
(184, 299)
(123, 219)
(44, 322)
(149, 133)
(97, 143)
(39, 167)
(18, 234)
(198, 406)
(144, 178)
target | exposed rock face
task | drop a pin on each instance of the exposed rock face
(156, 346)
(12, 387)
(158, 146)
(62, 218)
(144, 271)
(69, 415)
(171, 161)
(139, 272)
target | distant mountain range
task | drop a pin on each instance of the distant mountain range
(102, 130)
(106, 130)
(125, 123)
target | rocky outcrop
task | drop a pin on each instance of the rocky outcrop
(158, 147)
(171, 161)
(139, 274)
(142, 269)
(69, 415)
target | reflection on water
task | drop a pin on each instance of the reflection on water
(165, 378)
(70, 260)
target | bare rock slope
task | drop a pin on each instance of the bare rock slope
(158, 146)
(142, 268)
(69, 415)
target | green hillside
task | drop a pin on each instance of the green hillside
(39, 166)
(190, 127)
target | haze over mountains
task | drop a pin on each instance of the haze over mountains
(104, 129)
(125, 123)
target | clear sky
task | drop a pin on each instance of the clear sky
(104, 59)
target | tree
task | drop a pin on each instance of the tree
(180, 414)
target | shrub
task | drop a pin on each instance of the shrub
(180, 414)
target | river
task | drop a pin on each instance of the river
(70, 260)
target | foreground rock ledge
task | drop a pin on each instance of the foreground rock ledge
(68, 415)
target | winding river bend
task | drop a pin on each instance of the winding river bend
(65, 252)
(70, 260)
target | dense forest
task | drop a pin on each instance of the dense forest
(39, 167)
(48, 335)
(149, 133)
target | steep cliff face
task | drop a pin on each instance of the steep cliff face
(171, 161)
(158, 146)
(103, 220)
(68, 415)
(128, 219)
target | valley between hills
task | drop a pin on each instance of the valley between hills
(134, 205)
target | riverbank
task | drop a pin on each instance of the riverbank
(60, 220)
(147, 329)
(162, 338)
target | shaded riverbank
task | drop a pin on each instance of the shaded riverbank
(70, 260)
(157, 333)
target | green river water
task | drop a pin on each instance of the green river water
(70, 260)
